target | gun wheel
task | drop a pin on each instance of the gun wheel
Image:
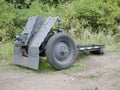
(61, 51)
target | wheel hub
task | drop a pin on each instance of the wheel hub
(61, 51)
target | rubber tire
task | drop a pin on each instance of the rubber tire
(54, 62)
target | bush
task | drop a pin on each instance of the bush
(78, 16)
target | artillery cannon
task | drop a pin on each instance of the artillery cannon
(40, 39)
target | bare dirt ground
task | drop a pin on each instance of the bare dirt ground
(100, 73)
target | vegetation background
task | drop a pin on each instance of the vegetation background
(88, 21)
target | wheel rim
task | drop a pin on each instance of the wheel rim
(61, 51)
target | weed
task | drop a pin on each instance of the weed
(91, 76)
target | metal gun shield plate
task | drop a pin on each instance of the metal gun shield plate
(27, 53)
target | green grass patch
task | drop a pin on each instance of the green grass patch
(44, 66)
(115, 47)
(91, 76)
(82, 54)
(6, 58)
(77, 66)
(6, 52)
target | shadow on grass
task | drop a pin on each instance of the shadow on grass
(82, 55)
(44, 66)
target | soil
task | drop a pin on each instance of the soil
(100, 73)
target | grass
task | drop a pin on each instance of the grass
(6, 54)
(77, 66)
(115, 47)
(45, 67)
(117, 70)
(91, 76)
(6, 57)
(100, 38)
(109, 41)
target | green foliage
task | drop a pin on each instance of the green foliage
(20, 3)
(96, 15)
(78, 15)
